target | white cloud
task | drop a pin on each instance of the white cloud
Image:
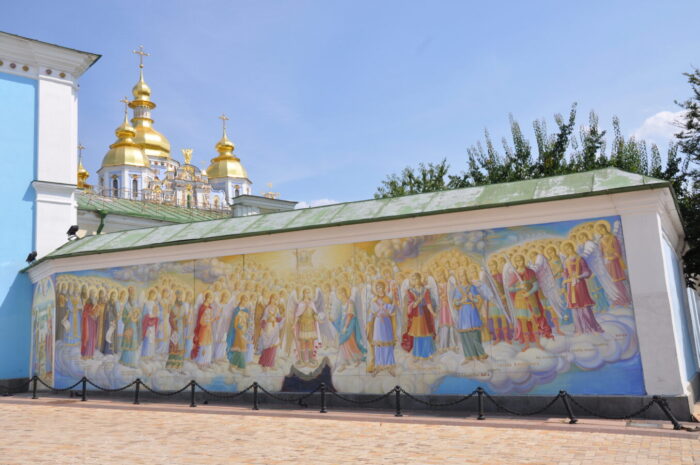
(315, 203)
(659, 128)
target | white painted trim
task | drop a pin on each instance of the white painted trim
(40, 56)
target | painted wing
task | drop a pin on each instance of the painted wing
(405, 285)
(451, 291)
(617, 231)
(508, 276)
(489, 291)
(548, 284)
(590, 251)
(432, 286)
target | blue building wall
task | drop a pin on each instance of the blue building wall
(18, 115)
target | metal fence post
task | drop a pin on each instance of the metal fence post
(667, 411)
(480, 403)
(83, 393)
(398, 413)
(193, 384)
(567, 406)
(255, 395)
(323, 398)
(136, 391)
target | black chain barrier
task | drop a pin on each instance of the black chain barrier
(438, 404)
(295, 400)
(567, 400)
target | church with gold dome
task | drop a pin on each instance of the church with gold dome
(139, 178)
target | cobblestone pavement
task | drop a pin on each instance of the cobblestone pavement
(66, 431)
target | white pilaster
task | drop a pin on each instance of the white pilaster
(55, 211)
(652, 305)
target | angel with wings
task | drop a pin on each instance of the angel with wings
(467, 301)
(443, 288)
(600, 278)
(222, 312)
(324, 305)
(306, 329)
(419, 338)
(523, 297)
(351, 350)
(577, 297)
(381, 330)
(611, 248)
(500, 319)
(549, 288)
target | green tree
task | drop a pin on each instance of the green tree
(564, 153)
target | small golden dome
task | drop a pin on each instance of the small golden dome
(227, 164)
(125, 151)
(141, 90)
(83, 175)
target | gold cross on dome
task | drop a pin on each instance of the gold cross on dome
(224, 118)
(80, 150)
(125, 101)
(141, 54)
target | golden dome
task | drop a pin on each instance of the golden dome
(83, 174)
(227, 164)
(141, 90)
(125, 151)
(152, 142)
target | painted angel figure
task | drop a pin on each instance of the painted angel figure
(202, 340)
(350, 350)
(306, 329)
(149, 326)
(523, 299)
(381, 330)
(443, 288)
(491, 288)
(222, 313)
(592, 255)
(555, 305)
(577, 297)
(612, 250)
(419, 338)
(271, 325)
(329, 335)
(467, 300)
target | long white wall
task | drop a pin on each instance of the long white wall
(646, 217)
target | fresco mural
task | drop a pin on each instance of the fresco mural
(43, 308)
(520, 310)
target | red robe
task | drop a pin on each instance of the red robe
(407, 339)
(197, 331)
(88, 334)
(577, 295)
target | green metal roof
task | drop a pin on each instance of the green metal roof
(139, 209)
(599, 182)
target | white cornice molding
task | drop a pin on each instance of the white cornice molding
(40, 56)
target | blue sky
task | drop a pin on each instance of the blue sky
(327, 97)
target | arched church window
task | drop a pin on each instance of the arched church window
(189, 201)
(135, 188)
(237, 192)
(115, 187)
(216, 202)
